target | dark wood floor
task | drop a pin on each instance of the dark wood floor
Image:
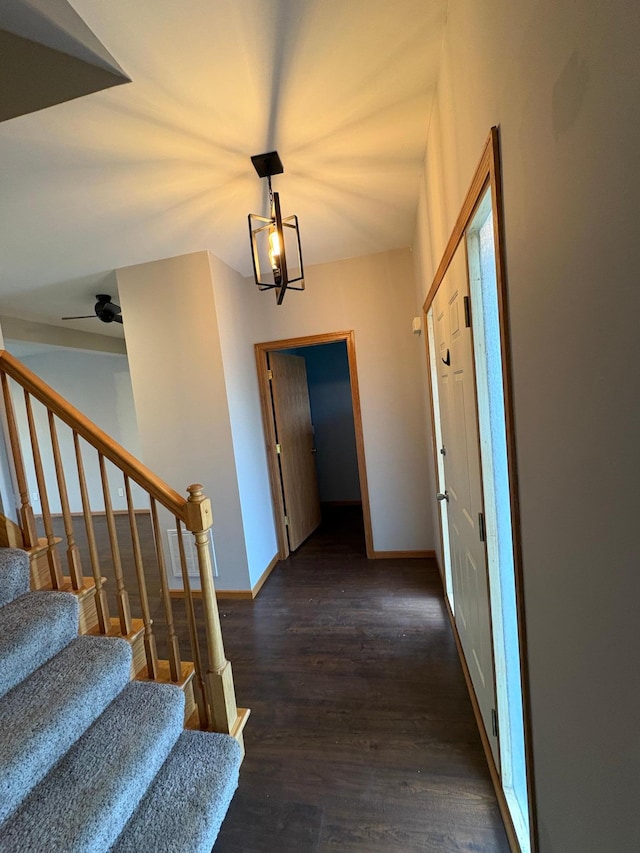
(362, 737)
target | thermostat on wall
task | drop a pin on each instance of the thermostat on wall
(416, 325)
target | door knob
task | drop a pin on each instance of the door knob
(443, 496)
(314, 449)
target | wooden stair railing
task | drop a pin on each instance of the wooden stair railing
(213, 681)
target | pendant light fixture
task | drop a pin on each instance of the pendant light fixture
(275, 241)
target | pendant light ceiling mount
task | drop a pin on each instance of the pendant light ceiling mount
(275, 241)
(267, 164)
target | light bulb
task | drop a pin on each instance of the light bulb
(274, 255)
(274, 246)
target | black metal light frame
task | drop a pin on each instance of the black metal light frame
(277, 278)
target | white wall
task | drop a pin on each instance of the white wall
(99, 385)
(44, 335)
(375, 296)
(180, 394)
(561, 81)
(236, 329)
(192, 323)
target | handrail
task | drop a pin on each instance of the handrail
(96, 437)
(216, 699)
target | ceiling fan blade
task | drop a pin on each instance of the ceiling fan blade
(81, 317)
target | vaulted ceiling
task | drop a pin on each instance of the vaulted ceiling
(160, 166)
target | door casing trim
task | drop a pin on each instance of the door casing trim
(261, 351)
(488, 174)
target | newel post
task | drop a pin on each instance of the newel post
(218, 679)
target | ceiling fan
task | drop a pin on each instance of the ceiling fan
(105, 310)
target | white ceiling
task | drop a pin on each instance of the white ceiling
(160, 166)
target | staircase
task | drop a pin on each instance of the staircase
(89, 760)
(104, 746)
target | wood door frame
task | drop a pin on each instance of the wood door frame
(262, 351)
(488, 174)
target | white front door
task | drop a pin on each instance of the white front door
(462, 504)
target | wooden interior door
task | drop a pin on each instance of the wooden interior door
(294, 434)
(463, 500)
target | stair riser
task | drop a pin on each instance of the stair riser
(40, 574)
(139, 661)
(88, 617)
(189, 700)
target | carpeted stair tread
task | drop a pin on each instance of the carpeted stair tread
(84, 802)
(34, 628)
(187, 801)
(14, 574)
(47, 712)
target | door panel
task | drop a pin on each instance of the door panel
(459, 424)
(295, 436)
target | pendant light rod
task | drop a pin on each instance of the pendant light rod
(274, 236)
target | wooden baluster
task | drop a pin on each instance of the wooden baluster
(150, 650)
(223, 712)
(27, 520)
(102, 604)
(53, 559)
(175, 664)
(122, 596)
(201, 693)
(73, 554)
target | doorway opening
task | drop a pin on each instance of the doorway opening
(468, 354)
(313, 429)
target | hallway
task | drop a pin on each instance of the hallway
(362, 737)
